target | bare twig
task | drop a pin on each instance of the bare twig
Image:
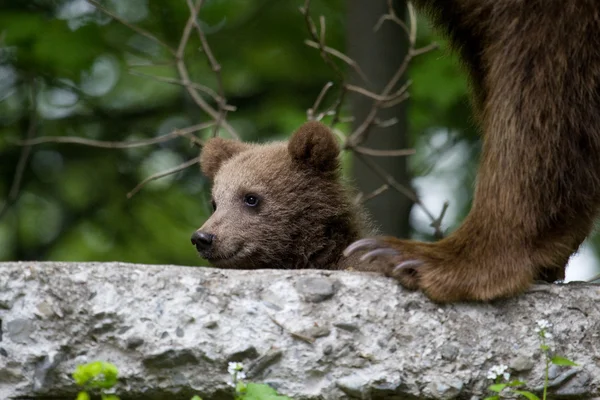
(340, 55)
(391, 16)
(436, 222)
(312, 29)
(132, 27)
(174, 81)
(361, 198)
(338, 107)
(360, 133)
(15, 188)
(185, 76)
(216, 68)
(179, 60)
(311, 111)
(381, 99)
(389, 96)
(593, 278)
(162, 174)
(119, 144)
(383, 153)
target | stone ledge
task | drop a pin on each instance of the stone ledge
(310, 334)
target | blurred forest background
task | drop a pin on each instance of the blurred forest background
(69, 69)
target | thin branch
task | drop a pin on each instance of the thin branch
(116, 145)
(179, 60)
(389, 179)
(216, 68)
(310, 112)
(391, 16)
(170, 63)
(425, 49)
(383, 153)
(132, 27)
(185, 76)
(338, 54)
(593, 278)
(377, 97)
(361, 198)
(15, 188)
(162, 174)
(338, 107)
(388, 97)
(387, 123)
(360, 133)
(398, 100)
(312, 29)
(174, 81)
(436, 224)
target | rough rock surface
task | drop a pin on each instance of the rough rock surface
(310, 334)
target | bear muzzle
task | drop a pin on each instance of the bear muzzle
(202, 240)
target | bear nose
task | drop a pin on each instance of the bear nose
(202, 240)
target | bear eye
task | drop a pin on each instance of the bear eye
(251, 200)
(214, 205)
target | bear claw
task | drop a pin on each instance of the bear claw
(384, 251)
(360, 244)
(407, 264)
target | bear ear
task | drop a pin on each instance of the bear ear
(218, 150)
(313, 145)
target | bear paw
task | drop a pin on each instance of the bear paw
(442, 273)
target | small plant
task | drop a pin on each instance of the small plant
(250, 391)
(96, 376)
(499, 373)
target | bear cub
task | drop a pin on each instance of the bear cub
(280, 204)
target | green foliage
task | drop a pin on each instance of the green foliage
(96, 376)
(258, 391)
(558, 360)
(543, 333)
(99, 376)
(79, 192)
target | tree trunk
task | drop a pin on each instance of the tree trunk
(380, 54)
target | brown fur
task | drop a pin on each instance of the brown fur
(304, 218)
(535, 68)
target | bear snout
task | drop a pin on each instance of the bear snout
(202, 240)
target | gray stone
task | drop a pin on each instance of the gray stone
(172, 330)
(19, 330)
(449, 352)
(315, 289)
(521, 364)
(353, 385)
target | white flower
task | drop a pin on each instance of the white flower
(235, 367)
(497, 371)
(548, 335)
(241, 375)
(543, 324)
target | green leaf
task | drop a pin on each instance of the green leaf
(545, 347)
(196, 398)
(97, 374)
(492, 398)
(83, 396)
(110, 397)
(498, 387)
(558, 360)
(260, 391)
(516, 383)
(528, 395)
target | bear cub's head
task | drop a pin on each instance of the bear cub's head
(277, 205)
